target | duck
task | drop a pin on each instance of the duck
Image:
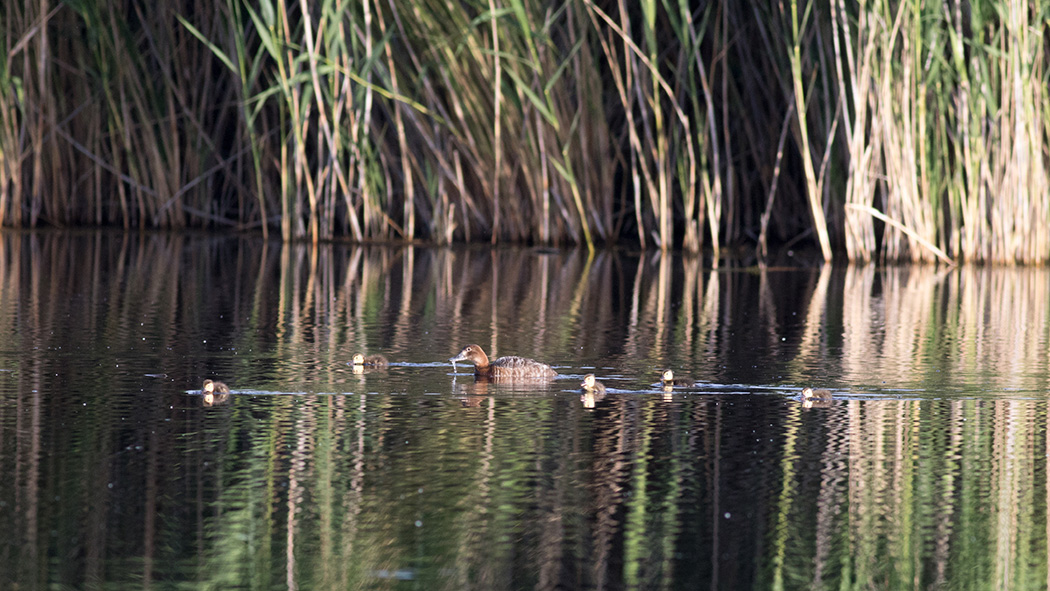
(669, 380)
(214, 392)
(505, 367)
(370, 361)
(592, 385)
(592, 391)
(811, 394)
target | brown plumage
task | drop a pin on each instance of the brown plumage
(504, 367)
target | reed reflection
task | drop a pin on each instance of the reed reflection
(932, 455)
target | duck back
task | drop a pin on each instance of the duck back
(513, 366)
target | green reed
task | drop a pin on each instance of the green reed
(892, 130)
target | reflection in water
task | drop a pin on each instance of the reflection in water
(928, 469)
(589, 398)
(213, 393)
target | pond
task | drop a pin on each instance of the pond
(927, 469)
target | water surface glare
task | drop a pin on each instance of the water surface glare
(927, 469)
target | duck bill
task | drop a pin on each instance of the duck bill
(461, 357)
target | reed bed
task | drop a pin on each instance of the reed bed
(887, 130)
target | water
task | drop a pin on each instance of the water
(927, 470)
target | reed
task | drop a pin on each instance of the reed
(945, 145)
(914, 131)
(12, 111)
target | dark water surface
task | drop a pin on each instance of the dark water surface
(927, 470)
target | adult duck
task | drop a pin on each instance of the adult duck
(510, 366)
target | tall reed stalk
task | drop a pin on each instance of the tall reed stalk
(813, 185)
(12, 112)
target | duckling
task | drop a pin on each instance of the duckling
(370, 361)
(811, 394)
(669, 380)
(592, 385)
(214, 392)
(592, 391)
(505, 367)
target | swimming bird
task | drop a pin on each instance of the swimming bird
(370, 361)
(214, 392)
(811, 394)
(591, 385)
(505, 367)
(669, 380)
(592, 391)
